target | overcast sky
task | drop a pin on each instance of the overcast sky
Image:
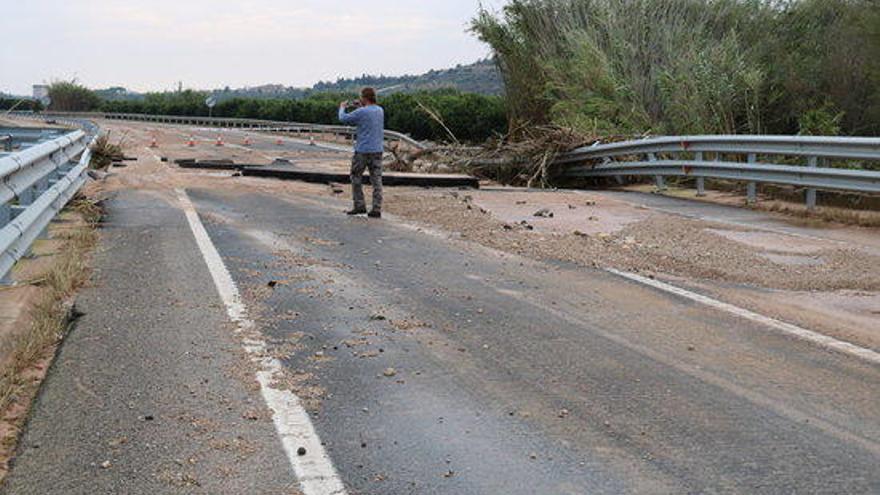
(153, 44)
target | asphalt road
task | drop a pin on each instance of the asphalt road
(534, 378)
(428, 366)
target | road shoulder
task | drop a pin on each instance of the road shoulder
(150, 392)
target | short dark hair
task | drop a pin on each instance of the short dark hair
(369, 94)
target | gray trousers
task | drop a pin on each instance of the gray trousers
(360, 162)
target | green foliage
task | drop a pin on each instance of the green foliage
(68, 96)
(470, 117)
(688, 66)
(822, 121)
(26, 105)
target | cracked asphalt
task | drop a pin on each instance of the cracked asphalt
(428, 365)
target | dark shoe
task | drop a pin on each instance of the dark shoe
(375, 214)
(356, 211)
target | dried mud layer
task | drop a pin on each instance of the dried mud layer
(657, 244)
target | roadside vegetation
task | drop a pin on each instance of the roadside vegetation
(26, 354)
(609, 67)
(425, 115)
(26, 105)
(69, 96)
(471, 117)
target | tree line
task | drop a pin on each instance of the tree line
(470, 117)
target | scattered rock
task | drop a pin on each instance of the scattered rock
(563, 413)
(572, 207)
(580, 234)
(378, 317)
(449, 474)
(692, 347)
(301, 451)
(272, 283)
(521, 202)
(533, 456)
(589, 203)
(544, 213)
(389, 372)
(106, 465)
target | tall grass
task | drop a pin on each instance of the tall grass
(686, 66)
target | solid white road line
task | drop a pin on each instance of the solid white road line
(314, 470)
(787, 328)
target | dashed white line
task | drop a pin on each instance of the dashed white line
(787, 328)
(314, 470)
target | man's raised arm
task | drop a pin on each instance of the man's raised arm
(347, 118)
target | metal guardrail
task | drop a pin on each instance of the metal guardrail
(685, 156)
(231, 123)
(37, 183)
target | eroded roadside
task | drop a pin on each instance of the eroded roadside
(37, 309)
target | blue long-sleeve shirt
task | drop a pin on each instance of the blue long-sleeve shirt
(370, 122)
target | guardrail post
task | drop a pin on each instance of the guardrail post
(752, 187)
(658, 179)
(42, 187)
(812, 162)
(25, 198)
(701, 181)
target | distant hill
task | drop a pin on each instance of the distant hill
(480, 77)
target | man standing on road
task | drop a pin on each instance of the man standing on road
(369, 118)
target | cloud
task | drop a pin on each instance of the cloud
(151, 44)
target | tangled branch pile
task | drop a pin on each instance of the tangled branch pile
(523, 157)
(104, 152)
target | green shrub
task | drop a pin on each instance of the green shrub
(470, 117)
(687, 66)
(68, 96)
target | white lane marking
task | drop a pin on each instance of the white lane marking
(315, 470)
(787, 328)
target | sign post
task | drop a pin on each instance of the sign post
(211, 101)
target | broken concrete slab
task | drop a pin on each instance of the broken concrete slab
(388, 179)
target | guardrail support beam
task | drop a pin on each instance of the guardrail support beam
(26, 197)
(752, 187)
(659, 182)
(701, 181)
(701, 187)
(812, 162)
(15, 211)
